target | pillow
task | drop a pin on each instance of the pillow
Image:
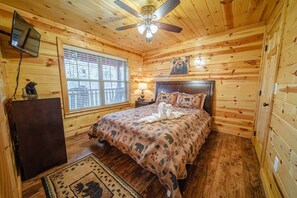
(190, 100)
(169, 98)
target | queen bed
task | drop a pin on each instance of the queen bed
(164, 147)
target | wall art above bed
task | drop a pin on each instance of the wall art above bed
(180, 65)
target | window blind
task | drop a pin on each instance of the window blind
(93, 79)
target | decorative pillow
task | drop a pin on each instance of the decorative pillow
(169, 98)
(190, 100)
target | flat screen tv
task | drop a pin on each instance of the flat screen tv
(23, 36)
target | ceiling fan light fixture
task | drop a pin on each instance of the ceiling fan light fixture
(141, 28)
(154, 28)
(149, 16)
(149, 40)
(149, 33)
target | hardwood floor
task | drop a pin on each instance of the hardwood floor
(227, 166)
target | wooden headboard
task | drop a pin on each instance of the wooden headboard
(190, 87)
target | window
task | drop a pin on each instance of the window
(94, 79)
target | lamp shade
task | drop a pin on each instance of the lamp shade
(141, 28)
(154, 28)
(142, 86)
(149, 33)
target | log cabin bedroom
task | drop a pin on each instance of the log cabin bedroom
(148, 98)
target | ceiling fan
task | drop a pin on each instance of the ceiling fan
(149, 16)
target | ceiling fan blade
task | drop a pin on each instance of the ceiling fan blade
(165, 8)
(169, 27)
(127, 8)
(126, 27)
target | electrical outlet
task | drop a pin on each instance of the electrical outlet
(276, 163)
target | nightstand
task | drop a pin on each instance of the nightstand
(142, 103)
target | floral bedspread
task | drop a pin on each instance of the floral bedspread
(163, 147)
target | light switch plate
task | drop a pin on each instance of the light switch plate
(276, 163)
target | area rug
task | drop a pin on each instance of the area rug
(87, 177)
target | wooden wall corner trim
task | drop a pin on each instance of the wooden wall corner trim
(10, 182)
(266, 185)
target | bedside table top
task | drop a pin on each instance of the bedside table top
(144, 102)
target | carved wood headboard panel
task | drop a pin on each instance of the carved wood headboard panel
(190, 87)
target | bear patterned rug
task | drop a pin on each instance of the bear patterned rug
(87, 177)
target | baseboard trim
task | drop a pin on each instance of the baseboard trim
(77, 132)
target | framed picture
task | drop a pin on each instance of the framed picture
(180, 65)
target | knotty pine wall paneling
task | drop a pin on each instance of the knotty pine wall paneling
(44, 70)
(232, 59)
(282, 140)
(9, 180)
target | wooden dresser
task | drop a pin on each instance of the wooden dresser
(38, 135)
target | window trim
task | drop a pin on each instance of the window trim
(77, 44)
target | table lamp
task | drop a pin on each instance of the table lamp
(142, 86)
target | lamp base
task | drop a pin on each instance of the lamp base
(141, 98)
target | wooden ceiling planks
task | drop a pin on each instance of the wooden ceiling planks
(254, 7)
(210, 39)
(240, 11)
(202, 9)
(228, 13)
(216, 12)
(198, 18)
